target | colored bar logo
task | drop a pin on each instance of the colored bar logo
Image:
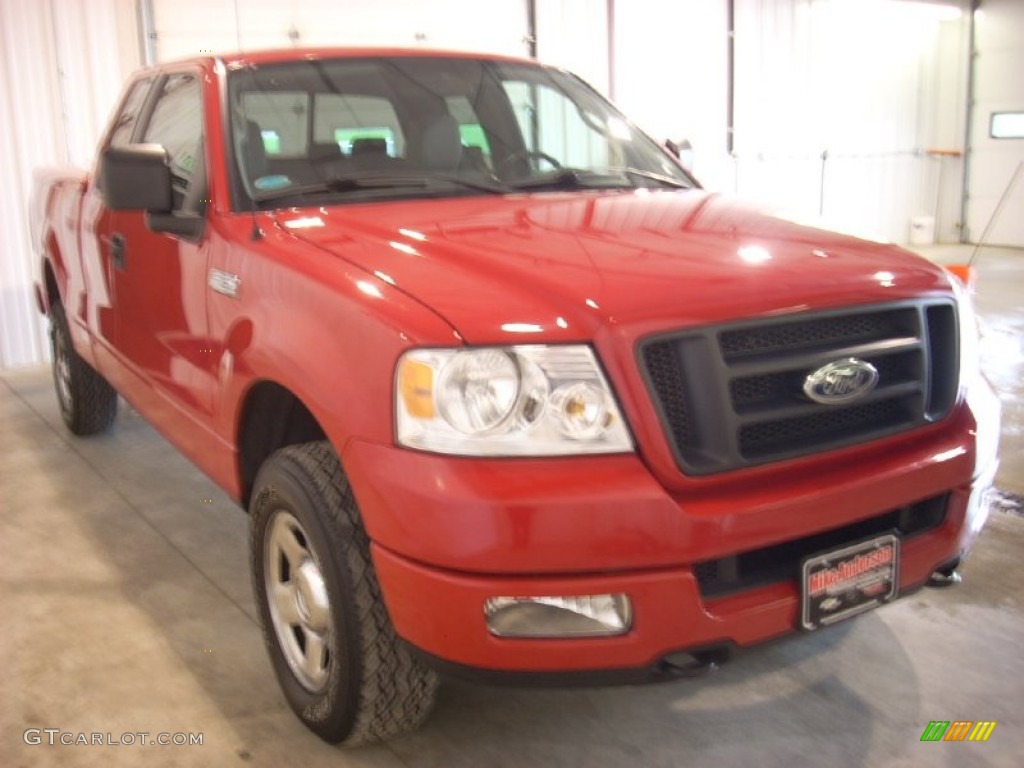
(958, 730)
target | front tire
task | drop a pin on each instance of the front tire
(88, 404)
(335, 653)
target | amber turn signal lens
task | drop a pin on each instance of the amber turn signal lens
(416, 383)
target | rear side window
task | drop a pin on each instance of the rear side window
(289, 120)
(553, 124)
(347, 118)
(471, 132)
(283, 118)
(177, 123)
(124, 125)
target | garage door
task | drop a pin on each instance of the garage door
(997, 141)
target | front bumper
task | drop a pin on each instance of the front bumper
(450, 533)
(441, 612)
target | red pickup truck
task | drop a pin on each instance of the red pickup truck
(503, 389)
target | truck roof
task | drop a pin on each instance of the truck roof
(243, 58)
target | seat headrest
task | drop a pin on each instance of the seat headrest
(441, 144)
(369, 147)
(255, 153)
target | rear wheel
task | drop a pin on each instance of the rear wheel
(88, 404)
(337, 658)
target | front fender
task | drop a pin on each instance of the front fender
(325, 330)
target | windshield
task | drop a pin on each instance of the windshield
(345, 130)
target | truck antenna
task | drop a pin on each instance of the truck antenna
(257, 233)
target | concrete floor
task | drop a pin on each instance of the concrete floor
(126, 607)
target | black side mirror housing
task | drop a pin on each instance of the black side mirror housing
(682, 151)
(136, 178)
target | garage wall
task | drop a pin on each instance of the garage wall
(62, 63)
(573, 34)
(186, 27)
(998, 87)
(670, 76)
(874, 83)
(838, 105)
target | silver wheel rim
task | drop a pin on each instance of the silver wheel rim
(62, 370)
(297, 597)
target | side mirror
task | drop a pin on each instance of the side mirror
(136, 178)
(682, 151)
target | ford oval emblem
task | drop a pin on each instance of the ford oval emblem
(842, 381)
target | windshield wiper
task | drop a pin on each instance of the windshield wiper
(583, 178)
(339, 184)
(571, 178)
(452, 178)
(668, 181)
(375, 180)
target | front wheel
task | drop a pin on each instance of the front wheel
(331, 643)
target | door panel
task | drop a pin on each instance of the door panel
(98, 226)
(158, 281)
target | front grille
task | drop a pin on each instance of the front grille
(732, 396)
(808, 334)
(781, 562)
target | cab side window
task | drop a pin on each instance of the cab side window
(124, 125)
(177, 124)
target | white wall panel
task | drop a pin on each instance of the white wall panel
(853, 82)
(192, 28)
(876, 83)
(573, 34)
(873, 84)
(670, 75)
(999, 86)
(62, 63)
(188, 27)
(943, 122)
(25, 98)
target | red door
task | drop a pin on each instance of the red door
(158, 280)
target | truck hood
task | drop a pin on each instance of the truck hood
(561, 266)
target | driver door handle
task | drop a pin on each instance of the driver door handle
(116, 242)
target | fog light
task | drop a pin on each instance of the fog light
(579, 616)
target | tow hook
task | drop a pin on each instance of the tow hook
(947, 576)
(689, 665)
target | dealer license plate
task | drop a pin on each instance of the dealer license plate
(844, 582)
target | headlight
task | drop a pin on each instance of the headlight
(530, 400)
